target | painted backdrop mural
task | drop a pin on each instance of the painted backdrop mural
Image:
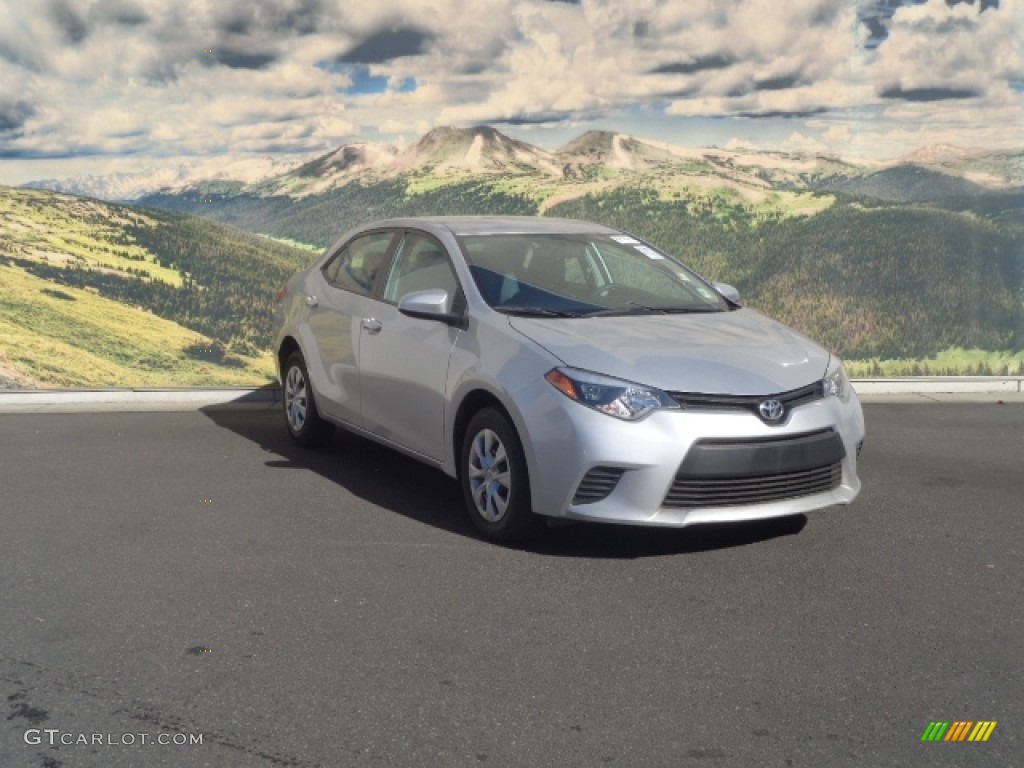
(855, 168)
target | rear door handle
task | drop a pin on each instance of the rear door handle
(372, 325)
(312, 301)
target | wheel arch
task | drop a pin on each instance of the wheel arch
(284, 351)
(474, 402)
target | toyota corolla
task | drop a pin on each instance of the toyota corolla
(564, 369)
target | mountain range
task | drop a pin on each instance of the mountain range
(930, 173)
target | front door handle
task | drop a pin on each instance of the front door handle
(372, 325)
(312, 301)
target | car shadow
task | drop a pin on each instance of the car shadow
(367, 470)
(602, 541)
(388, 479)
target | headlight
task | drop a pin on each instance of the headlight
(835, 383)
(621, 399)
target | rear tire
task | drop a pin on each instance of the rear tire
(301, 416)
(495, 484)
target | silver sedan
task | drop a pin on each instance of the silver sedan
(564, 369)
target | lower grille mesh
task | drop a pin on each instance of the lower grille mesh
(597, 484)
(690, 491)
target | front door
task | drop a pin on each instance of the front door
(404, 360)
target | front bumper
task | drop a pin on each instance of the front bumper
(678, 468)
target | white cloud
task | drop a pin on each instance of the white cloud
(937, 48)
(199, 77)
(798, 142)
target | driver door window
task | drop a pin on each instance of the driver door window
(421, 265)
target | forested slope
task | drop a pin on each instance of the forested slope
(866, 277)
(866, 280)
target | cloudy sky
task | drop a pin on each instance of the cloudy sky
(96, 86)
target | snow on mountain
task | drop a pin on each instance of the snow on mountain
(993, 169)
(937, 154)
(170, 178)
(442, 151)
(331, 170)
(614, 150)
(480, 149)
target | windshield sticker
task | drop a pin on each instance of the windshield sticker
(650, 253)
(625, 239)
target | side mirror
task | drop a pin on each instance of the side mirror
(728, 292)
(430, 305)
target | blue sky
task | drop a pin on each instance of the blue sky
(122, 85)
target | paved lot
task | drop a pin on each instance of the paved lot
(192, 574)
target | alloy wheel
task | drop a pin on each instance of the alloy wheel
(295, 398)
(490, 476)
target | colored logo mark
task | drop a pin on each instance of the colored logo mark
(958, 730)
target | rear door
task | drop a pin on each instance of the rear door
(343, 298)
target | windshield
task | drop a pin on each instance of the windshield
(583, 275)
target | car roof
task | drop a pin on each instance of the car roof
(499, 225)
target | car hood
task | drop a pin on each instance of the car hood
(728, 353)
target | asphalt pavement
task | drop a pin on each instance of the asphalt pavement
(192, 578)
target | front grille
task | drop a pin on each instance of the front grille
(597, 484)
(697, 401)
(689, 491)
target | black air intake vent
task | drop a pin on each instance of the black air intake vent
(597, 484)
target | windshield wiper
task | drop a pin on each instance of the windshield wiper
(536, 312)
(688, 310)
(641, 309)
(609, 311)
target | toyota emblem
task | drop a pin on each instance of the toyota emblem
(771, 410)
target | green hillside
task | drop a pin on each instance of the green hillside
(95, 294)
(71, 337)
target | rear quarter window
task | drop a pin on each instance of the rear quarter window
(356, 266)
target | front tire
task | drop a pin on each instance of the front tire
(301, 416)
(495, 484)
